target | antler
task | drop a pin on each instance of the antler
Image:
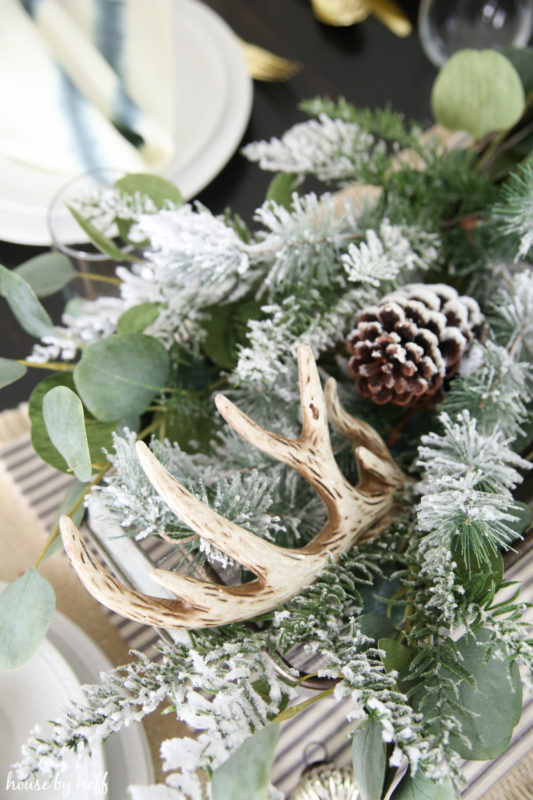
(354, 513)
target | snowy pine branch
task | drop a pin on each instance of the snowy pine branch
(333, 150)
(464, 450)
(383, 256)
(512, 314)
(382, 122)
(495, 392)
(513, 213)
(304, 243)
(311, 319)
(191, 681)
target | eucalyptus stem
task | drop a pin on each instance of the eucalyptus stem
(59, 366)
(55, 533)
(152, 427)
(292, 711)
(218, 383)
(103, 278)
(487, 159)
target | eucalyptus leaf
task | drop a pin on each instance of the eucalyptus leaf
(99, 434)
(487, 701)
(246, 773)
(119, 376)
(160, 191)
(73, 494)
(369, 759)
(47, 273)
(397, 655)
(478, 91)
(24, 304)
(26, 609)
(375, 599)
(100, 240)
(421, 788)
(10, 371)
(282, 187)
(65, 425)
(377, 625)
(227, 329)
(138, 318)
(494, 702)
(522, 60)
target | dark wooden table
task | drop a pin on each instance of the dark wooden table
(365, 63)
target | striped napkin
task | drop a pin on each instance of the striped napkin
(87, 84)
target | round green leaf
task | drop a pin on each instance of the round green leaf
(10, 371)
(281, 188)
(47, 273)
(397, 656)
(65, 425)
(369, 759)
(422, 788)
(160, 191)
(26, 610)
(138, 318)
(23, 302)
(377, 625)
(495, 700)
(478, 91)
(246, 773)
(99, 434)
(120, 375)
(227, 329)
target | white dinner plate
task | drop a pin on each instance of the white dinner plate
(34, 694)
(214, 94)
(127, 756)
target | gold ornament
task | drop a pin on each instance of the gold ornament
(326, 782)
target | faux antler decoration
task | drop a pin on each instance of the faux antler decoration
(354, 514)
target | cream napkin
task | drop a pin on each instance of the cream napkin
(87, 83)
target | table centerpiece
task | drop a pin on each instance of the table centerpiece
(411, 299)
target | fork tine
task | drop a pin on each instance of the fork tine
(266, 66)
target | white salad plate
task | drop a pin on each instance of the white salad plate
(214, 93)
(36, 692)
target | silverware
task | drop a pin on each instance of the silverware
(266, 66)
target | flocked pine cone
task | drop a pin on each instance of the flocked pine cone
(406, 345)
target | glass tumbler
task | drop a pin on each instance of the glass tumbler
(97, 270)
(445, 26)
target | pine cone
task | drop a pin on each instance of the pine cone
(406, 345)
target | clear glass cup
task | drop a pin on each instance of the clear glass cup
(445, 26)
(97, 270)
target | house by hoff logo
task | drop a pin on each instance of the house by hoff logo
(63, 787)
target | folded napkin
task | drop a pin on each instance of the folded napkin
(87, 83)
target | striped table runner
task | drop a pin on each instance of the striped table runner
(321, 730)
